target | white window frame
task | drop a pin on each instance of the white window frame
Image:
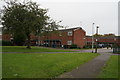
(60, 34)
(69, 33)
(69, 42)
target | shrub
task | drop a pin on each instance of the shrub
(87, 46)
(6, 43)
(73, 46)
(65, 46)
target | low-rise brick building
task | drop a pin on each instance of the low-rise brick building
(65, 37)
(107, 40)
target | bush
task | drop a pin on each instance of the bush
(73, 46)
(90, 46)
(65, 46)
(87, 46)
(6, 43)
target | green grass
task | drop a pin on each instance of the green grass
(111, 68)
(0, 65)
(40, 65)
(34, 49)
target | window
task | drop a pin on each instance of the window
(60, 34)
(69, 42)
(70, 33)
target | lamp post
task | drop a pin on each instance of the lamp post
(114, 42)
(92, 36)
(114, 47)
(96, 39)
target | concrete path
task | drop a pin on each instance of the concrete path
(90, 69)
(103, 50)
(40, 52)
(74, 51)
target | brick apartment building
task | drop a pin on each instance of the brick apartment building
(68, 37)
(65, 37)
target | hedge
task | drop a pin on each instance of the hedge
(6, 43)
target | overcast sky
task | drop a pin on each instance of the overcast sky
(82, 13)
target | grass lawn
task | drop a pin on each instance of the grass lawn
(111, 68)
(34, 49)
(41, 65)
(0, 65)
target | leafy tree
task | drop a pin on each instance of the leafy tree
(27, 18)
(110, 34)
(97, 35)
(51, 28)
(19, 39)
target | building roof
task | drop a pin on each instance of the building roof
(70, 29)
(105, 37)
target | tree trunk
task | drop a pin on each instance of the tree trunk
(28, 42)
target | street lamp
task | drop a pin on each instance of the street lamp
(93, 36)
(96, 39)
(115, 42)
(114, 47)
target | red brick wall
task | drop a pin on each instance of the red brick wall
(105, 39)
(66, 38)
(33, 37)
(56, 36)
(6, 37)
(79, 37)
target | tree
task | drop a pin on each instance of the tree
(52, 27)
(97, 35)
(100, 35)
(110, 34)
(19, 39)
(27, 18)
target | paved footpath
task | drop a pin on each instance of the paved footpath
(90, 69)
